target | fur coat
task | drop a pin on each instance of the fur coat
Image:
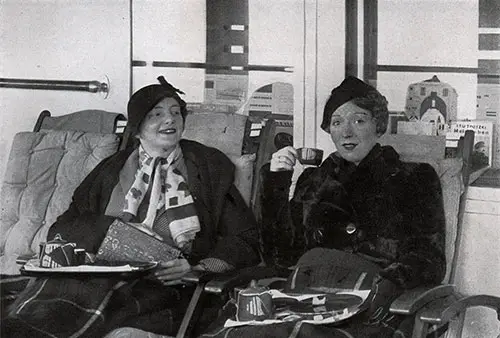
(385, 210)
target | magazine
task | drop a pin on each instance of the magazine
(132, 242)
(311, 308)
(483, 139)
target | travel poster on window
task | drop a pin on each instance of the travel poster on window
(483, 139)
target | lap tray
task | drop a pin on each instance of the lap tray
(316, 309)
(97, 269)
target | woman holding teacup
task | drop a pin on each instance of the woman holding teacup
(362, 202)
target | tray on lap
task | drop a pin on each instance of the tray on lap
(99, 268)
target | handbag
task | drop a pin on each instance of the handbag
(331, 270)
(126, 242)
(346, 280)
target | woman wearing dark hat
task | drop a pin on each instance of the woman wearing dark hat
(180, 190)
(361, 213)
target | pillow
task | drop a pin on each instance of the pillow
(43, 170)
(91, 120)
(450, 174)
(219, 130)
(225, 132)
(243, 175)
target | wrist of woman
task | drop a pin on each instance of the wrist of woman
(199, 267)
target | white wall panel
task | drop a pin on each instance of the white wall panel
(61, 40)
(440, 33)
(428, 32)
(172, 31)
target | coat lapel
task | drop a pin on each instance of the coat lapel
(207, 186)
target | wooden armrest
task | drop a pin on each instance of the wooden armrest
(216, 283)
(221, 283)
(197, 277)
(442, 312)
(412, 300)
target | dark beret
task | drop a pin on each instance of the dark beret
(349, 89)
(143, 100)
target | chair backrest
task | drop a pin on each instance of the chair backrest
(453, 173)
(225, 132)
(277, 132)
(43, 170)
(89, 120)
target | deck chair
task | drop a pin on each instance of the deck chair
(90, 121)
(223, 131)
(43, 169)
(438, 311)
(442, 309)
(230, 133)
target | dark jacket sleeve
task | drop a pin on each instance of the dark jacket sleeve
(229, 230)
(84, 222)
(282, 230)
(237, 232)
(421, 259)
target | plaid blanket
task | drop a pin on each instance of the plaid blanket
(92, 307)
(10, 287)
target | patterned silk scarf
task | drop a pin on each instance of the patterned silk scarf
(169, 198)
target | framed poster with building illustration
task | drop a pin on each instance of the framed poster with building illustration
(431, 101)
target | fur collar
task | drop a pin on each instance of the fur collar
(327, 198)
(381, 163)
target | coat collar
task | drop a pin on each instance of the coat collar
(196, 172)
(211, 174)
(381, 163)
(127, 174)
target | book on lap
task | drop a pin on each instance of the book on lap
(131, 242)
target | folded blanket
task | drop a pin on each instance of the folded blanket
(92, 307)
(10, 287)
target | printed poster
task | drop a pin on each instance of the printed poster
(483, 139)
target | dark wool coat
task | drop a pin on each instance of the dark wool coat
(385, 210)
(228, 227)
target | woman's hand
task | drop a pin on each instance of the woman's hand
(171, 272)
(284, 159)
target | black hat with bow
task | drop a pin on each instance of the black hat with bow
(143, 100)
